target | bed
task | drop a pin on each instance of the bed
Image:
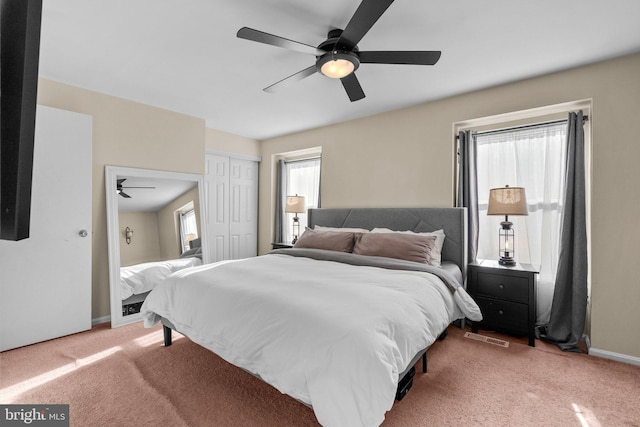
(141, 278)
(136, 281)
(339, 330)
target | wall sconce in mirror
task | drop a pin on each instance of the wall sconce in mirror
(128, 233)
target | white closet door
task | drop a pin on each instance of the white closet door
(45, 280)
(243, 227)
(217, 199)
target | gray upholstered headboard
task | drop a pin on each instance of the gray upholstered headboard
(452, 220)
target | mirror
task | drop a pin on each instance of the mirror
(155, 226)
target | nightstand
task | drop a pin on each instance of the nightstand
(281, 245)
(506, 296)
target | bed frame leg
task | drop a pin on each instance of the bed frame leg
(443, 335)
(167, 335)
(424, 363)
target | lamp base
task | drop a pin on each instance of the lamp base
(507, 261)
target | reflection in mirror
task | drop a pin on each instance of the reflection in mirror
(155, 228)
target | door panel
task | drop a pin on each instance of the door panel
(216, 190)
(244, 207)
(232, 194)
(45, 280)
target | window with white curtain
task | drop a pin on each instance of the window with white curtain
(533, 158)
(188, 226)
(302, 179)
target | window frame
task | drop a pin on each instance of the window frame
(189, 208)
(287, 218)
(531, 117)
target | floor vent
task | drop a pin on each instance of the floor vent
(489, 340)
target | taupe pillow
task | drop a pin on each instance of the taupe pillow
(410, 247)
(340, 229)
(329, 240)
(436, 254)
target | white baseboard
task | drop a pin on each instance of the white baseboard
(618, 357)
(99, 320)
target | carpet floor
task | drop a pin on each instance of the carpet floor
(125, 377)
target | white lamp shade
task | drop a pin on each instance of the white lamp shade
(337, 69)
(507, 201)
(295, 204)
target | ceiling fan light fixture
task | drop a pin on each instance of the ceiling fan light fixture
(337, 69)
(338, 64)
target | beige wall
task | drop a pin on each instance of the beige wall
(401, 158)
(156, 235)
(145, 242)
(125, 133)
(230, 143)
(169, 225)
(406, 158)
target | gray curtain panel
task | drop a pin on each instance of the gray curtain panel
(320, 185)
(278, 234)
(468, 187)
(569, 305)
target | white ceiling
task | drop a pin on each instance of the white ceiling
(184, 55)
(160, 193)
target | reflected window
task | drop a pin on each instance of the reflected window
(188, 226)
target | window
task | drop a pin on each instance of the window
(302, 178)
(188, 226)
(534, 158)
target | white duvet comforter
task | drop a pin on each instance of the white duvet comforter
(332, 335)
(141, 278)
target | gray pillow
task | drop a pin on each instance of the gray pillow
(409, 247)
(329, 240)
(195, 253)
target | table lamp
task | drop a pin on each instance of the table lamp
(295, 205)
(507, 201)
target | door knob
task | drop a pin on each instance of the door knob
(83, 233)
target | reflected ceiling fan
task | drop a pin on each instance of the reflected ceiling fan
(338, 57)
(119, 188)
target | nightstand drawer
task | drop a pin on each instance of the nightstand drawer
(503, 287)
(504, 315)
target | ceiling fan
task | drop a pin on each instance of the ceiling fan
(119, 188)
(338, 57)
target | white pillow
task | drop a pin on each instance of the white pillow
(436, 254)
(346, 230)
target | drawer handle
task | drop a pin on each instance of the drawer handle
(500, 312)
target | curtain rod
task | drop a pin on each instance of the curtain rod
(515, 128)
(304, 159)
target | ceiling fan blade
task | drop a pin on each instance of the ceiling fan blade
(353, 88)
(291, 79)
(125, 195)
(266, 38)
(400, 57)
(361, 22)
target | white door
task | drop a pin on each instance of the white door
(45, 280)
(243, 209)
(216, 183)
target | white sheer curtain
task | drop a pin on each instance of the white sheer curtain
(532, 158)
(303, 179)
(188, 227)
